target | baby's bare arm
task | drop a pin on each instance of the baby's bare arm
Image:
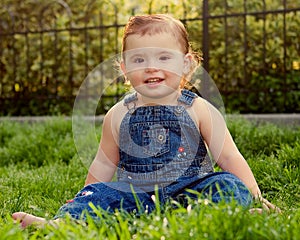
(225, 152)
(104, 164)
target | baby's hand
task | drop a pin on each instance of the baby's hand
(266, 206)
(269, 206)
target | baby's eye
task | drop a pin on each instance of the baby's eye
(138, 60)
(164, 58)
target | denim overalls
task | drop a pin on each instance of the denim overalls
(161, 151)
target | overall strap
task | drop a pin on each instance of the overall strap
(187, 97)
(130, 99)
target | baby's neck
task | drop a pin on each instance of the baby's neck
(170, 99)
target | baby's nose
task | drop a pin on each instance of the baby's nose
(152, 66)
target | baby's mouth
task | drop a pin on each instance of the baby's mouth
(153, 80)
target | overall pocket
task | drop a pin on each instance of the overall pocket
(155, 140)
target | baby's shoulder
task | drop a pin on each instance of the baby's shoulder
(114, 116)
(118, 108)
(205, 111)
(199, 103)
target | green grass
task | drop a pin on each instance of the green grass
(40, 170)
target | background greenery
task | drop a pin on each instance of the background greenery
(40, 170)
(47, 48)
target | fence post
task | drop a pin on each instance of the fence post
(205, 35)
(205, 48)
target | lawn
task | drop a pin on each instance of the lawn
(40, 170)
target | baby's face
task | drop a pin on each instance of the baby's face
(154, 64)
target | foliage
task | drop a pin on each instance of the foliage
(45, 54)
(42, 183)
(264, 68)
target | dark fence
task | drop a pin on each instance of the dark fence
(251, 50)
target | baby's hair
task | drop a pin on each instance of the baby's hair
(162, 23)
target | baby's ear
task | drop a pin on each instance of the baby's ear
(123, 67)
(187, 63)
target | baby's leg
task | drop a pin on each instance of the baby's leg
(223, 186)
(27, 219)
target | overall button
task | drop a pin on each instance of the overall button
(161, 138)
(178, 110)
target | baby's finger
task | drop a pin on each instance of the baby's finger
(267, 205)
(256, 210)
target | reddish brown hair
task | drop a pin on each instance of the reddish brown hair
(154, 24)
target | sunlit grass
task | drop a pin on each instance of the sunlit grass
(40, 170)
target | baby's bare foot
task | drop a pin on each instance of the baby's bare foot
(26, 219)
